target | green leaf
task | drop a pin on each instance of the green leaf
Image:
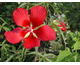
(3, 24)
(71, 34)
(6, 29)
(75, 38)
(0, 28)
(40, 55)
(20, 46)
(41, 59)
(49, 55)
(78, 58)
(38, 3)
(5, 57)
(62, 55)
(13, 26)
(2, 20)
(10, 58)
(23, 50)
(77, 45)
(73, 57)
(23, 4)
(54, 59)
(3, 41)
(8, 6)
(13, 47)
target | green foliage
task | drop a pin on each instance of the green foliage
(74, 43)
(62, 55)
(71, 10)
(77, 45)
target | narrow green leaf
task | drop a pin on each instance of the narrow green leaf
(13, 48)
(2, 59)
(44, 57)
(53, 7)
(38, 3)
(32, 53)
(41, 59)
(3, 24)
(20, 46)
(3, 20)
(23, 50)
(2, 52)
(3, 41)
(6, 29)
(23, 4)
(49, 55)
(0, 29)
(39, 54)
(10, 58)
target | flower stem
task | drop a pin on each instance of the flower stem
(36, 49)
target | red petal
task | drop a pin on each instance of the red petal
(14, 36)
(21, 17)
(45, 33)
(23, 33)
(63, 24)
(63, 28)
(31, 42)
(37, 15)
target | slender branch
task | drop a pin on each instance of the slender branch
(35, 57)
(36, 49)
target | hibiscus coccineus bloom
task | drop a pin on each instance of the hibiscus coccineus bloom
(37, 17)
(62, 26)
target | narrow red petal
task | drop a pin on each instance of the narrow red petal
(62, 24)
(37, 15)
(31, 42)
(21, 17)
(45, 33)
(63, 28)
(14, 36)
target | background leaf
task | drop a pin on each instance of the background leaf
(62, 55)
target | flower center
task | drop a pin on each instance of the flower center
(28, 29)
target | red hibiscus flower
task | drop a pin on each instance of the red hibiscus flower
(62, 26)
(37, 17)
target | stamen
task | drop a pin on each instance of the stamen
(31, 30)
(28, 29)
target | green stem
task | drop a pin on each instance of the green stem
(36, 50)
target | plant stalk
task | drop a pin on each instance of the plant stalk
(36, 50)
